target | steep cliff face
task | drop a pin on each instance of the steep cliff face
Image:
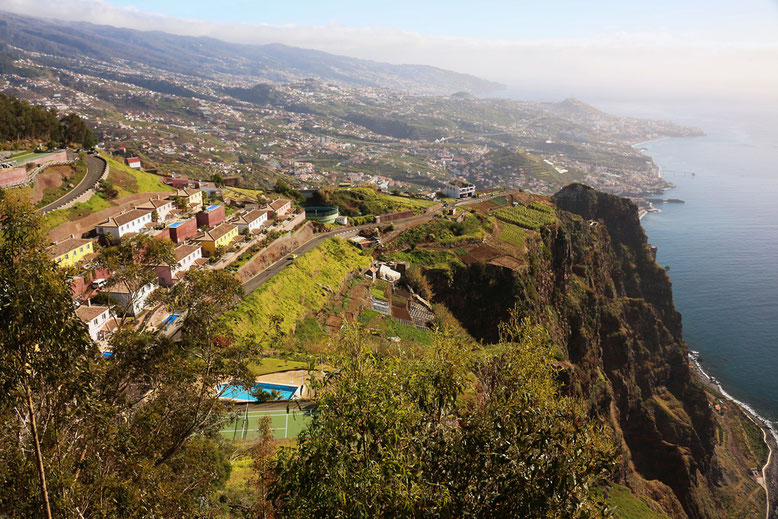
(593, 281)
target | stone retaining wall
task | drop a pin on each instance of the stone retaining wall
(274, 252)
(13, 177)
(86, 195)
(88, 223)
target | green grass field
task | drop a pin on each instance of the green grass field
(78, 211)
(414, 202)
(284, 424)
(626, 505)
(128, 181)
(302, 288)
(271, 365)
(252, 193)
(428, 258)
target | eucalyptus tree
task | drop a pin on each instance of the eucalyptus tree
(44, 361)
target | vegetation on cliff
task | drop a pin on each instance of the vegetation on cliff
(598, 290)
(576, 399)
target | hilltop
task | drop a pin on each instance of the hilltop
(80, 43)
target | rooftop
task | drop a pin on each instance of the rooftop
(218, 232)
(278, 203)
(187, 192)
(155, 202)
(252, 216)
(58, 249)
(124, 218)
(87, 313)
(183, 251)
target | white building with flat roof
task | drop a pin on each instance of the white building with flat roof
(459, 189)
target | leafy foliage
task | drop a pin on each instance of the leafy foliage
(442, 232)
(19, 120)
(361, 201)
(131, 436)
(394, 436)
(531, 217)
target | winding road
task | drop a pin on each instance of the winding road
(271, 271)
(95, 169)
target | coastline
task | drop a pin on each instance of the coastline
(649, 141)
(769, 436)
(769, 432)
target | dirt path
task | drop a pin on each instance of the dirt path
(770, 469)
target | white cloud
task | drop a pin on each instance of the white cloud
(612, 65)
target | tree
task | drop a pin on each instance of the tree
(75, 130)
(217, 179)
(262, 455)
(132, 261)
(107, 189)
(89, 140)
(202, 296)
(181, 203)
(135, 435)
(43, 359)
(444, 433)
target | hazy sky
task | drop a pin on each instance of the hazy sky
(604, 49)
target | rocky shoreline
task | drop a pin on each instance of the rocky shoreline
(770, 469)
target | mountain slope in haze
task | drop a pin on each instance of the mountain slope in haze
(208, 57)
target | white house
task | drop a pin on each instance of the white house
(160, 205)
(132, 221)
(252, 220)
(280, 206)
(186, 258)
(130, 303)
(387, 273)
(459, 189)
(98, 319)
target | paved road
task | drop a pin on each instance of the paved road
(271, 271)
(95, 168)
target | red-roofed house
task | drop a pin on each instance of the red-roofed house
(160, 205)
(252, 221)
(133, 162)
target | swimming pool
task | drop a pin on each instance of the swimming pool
(235, 392)
(169, 320)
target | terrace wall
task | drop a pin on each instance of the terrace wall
(12, 176)
(274, 251)
(383, 218)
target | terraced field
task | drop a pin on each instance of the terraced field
(531, 217)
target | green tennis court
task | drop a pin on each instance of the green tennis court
(283, 424)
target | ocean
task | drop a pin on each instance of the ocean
(722, 244)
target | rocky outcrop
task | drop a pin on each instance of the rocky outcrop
(592, 279)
